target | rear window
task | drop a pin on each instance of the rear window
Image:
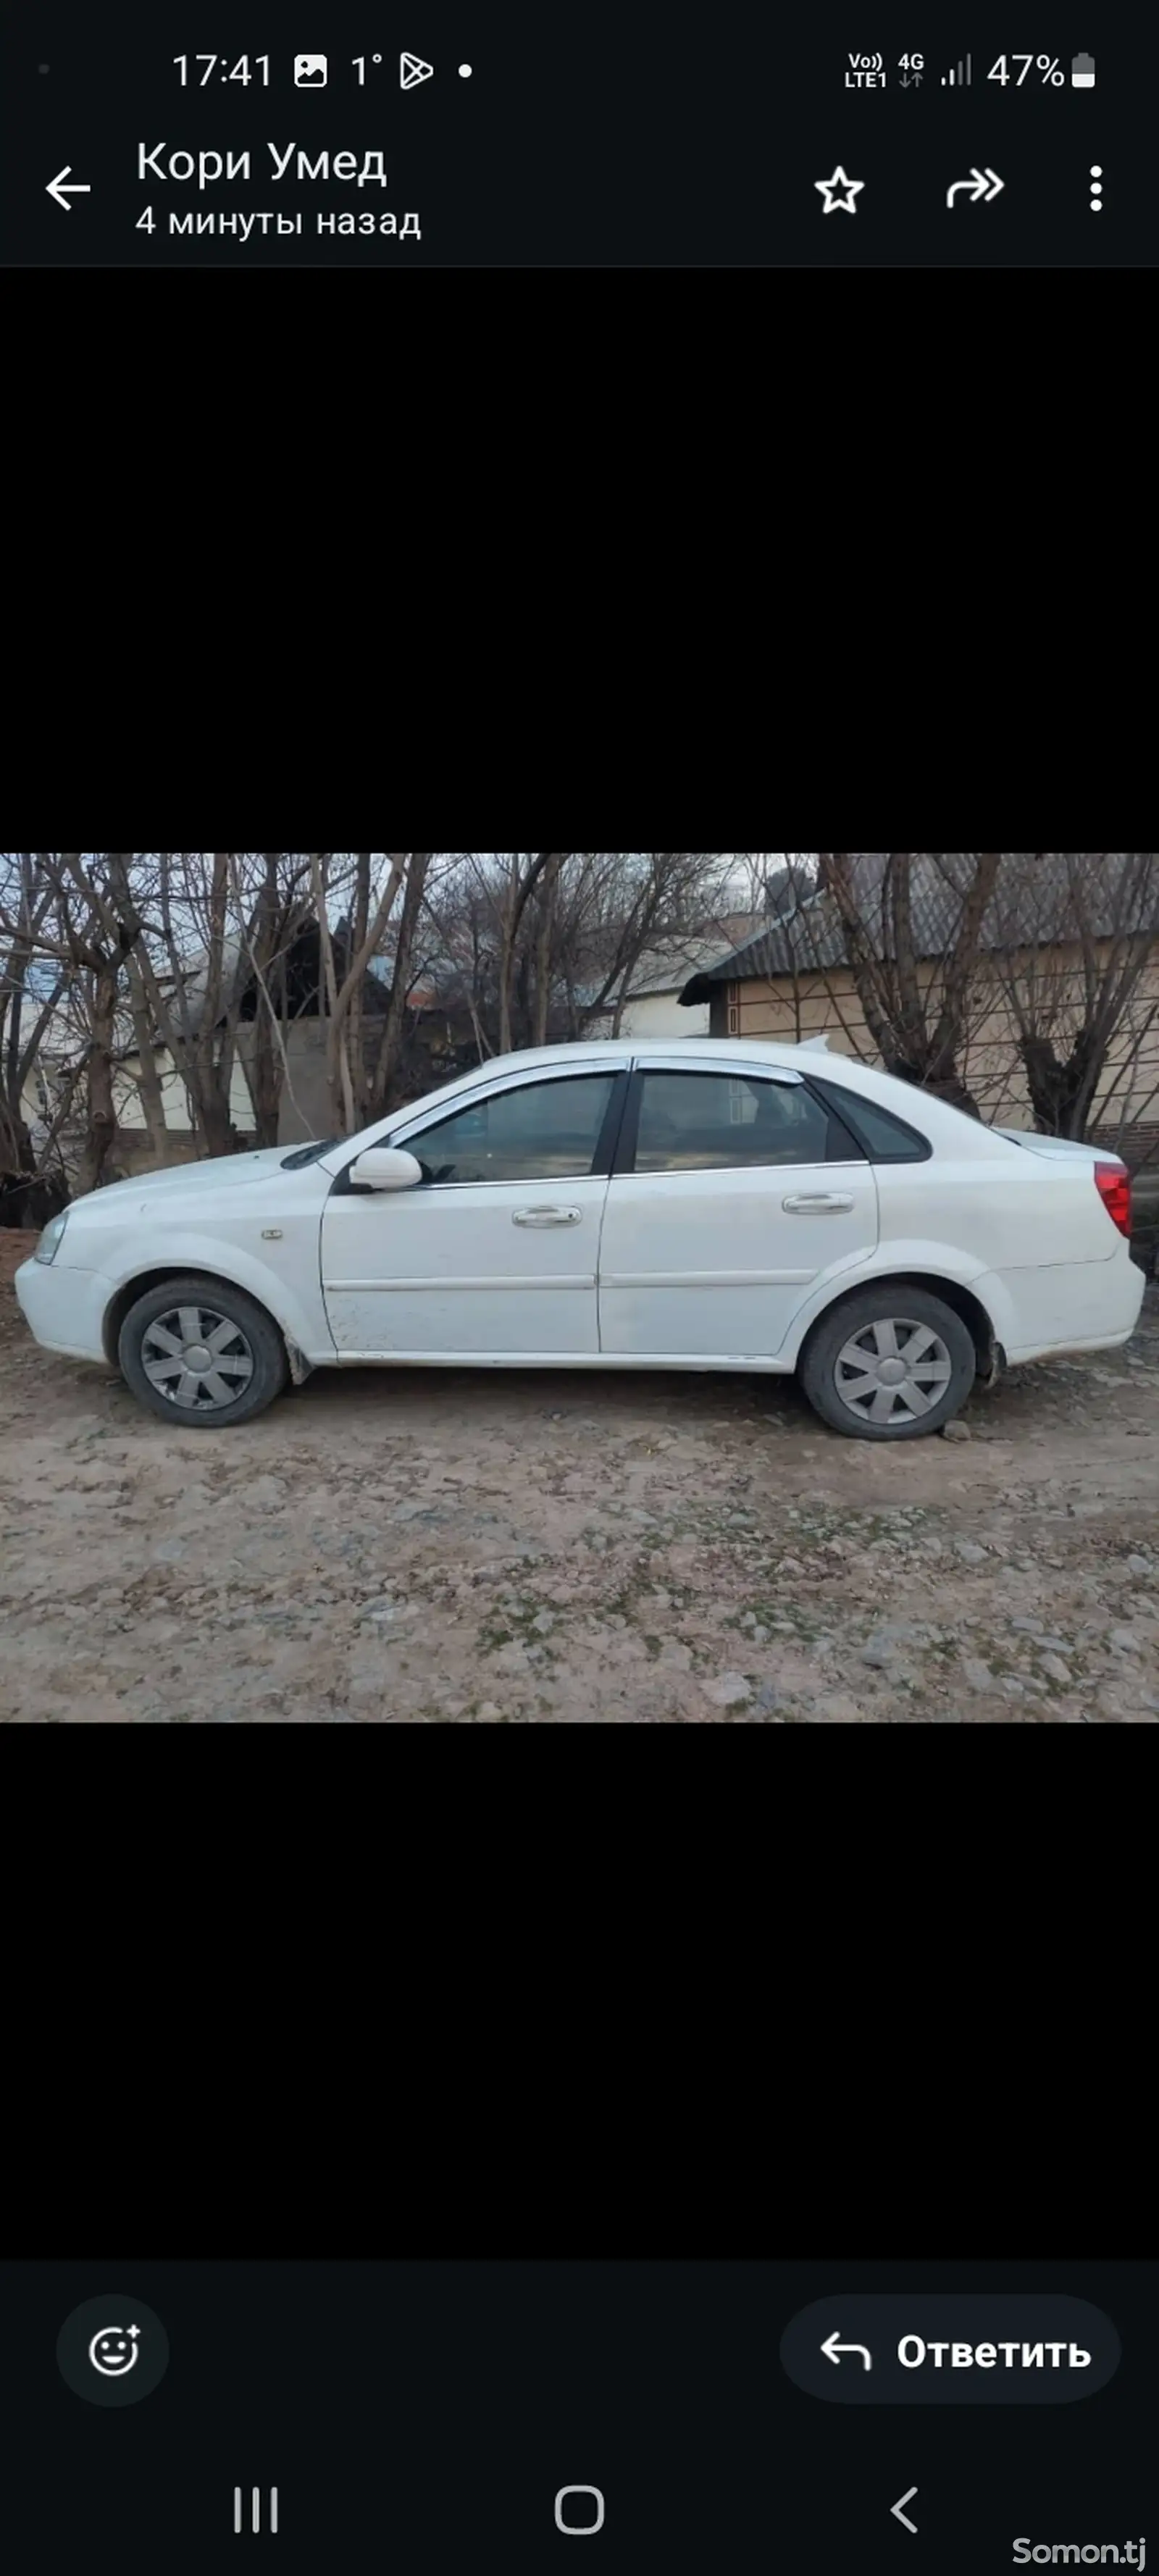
(883, 1137)
(703, 1122)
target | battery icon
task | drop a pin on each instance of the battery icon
(1082, 71)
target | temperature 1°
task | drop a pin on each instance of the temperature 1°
(360, 62)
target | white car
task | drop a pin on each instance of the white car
(703, 1204)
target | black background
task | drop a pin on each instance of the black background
(630, 135)
(419, 2417)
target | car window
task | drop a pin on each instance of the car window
(544, 1131)
(886, 1139)
(693, 1122)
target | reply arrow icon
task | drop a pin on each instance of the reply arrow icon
(57, 189)
(832, 2349)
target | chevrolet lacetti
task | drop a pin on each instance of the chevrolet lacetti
(700, 1204)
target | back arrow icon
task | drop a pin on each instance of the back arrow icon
(57, 189)
(977, 186)
(831, 2348)
(897, 2508)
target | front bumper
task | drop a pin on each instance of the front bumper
(64, 1308)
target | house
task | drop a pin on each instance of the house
(435, 1044)
(47, 1072)
(295, 981)
(792, 979)
(654, 1007)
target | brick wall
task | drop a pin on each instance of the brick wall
(1138, 1146)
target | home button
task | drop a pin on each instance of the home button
(575, 2526)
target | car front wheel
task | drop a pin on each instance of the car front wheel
(889, 1364)
(201, 1354)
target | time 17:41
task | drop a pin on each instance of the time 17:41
(239, 71)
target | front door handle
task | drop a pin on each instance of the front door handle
(822, 1203)
(545, 1216)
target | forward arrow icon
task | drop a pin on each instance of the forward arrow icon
(981, 183)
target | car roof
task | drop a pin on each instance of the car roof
(585, 1051)
(628, 1050)
(939, 1120)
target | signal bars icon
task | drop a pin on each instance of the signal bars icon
(961, 79)
(256, 2509)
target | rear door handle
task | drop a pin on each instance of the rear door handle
(822, 1203)
(545, 1216)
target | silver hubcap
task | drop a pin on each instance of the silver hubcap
(197, 1358)
(894, 1371)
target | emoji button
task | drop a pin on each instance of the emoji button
(108, 2362)
(114, 2352)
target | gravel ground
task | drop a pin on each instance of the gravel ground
(394, 1545)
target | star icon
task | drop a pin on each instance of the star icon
(839, 193)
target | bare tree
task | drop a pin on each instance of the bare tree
(210, 932)
(94, 942)
(200, 937)
(664, 895)
(1076, 935)
(917, 1025)
(546, 904)
(197, 1006)
(33, 975)
(148, 1048)
(770, 881)
(362, 1052)
(542, 945)
(513, 888)
(142, 968)
(380, 1070)
(271, 908)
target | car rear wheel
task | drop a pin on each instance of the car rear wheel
(889, 1364)
(201, 1355)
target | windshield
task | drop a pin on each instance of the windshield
(307, 1154)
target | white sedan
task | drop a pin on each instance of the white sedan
(704, 1204)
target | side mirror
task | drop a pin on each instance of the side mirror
(386, 1167)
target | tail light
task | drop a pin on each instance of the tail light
(1113, 1183)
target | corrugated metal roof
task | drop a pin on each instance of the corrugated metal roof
(1035, 904)
(666, 967)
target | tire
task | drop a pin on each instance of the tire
(856, 1329)
(252, 1354)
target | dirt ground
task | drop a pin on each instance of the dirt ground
(414, 1545)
